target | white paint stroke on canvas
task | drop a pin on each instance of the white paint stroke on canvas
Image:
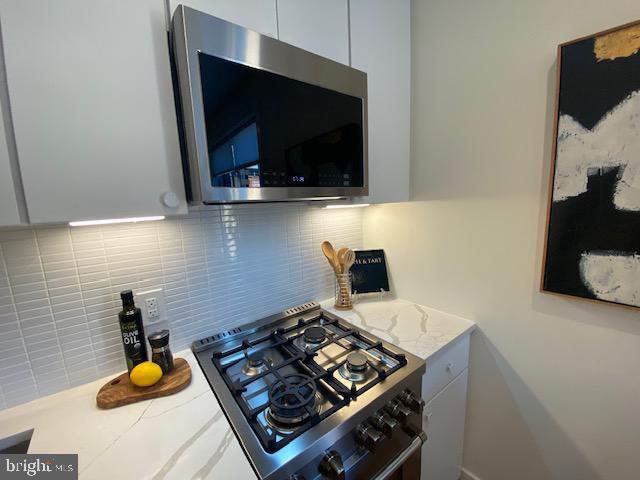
(612, 276)
(613, 141)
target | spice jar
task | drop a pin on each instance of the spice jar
(160, 351)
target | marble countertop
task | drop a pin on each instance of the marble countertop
(420, 330)
(182, 436)
(186, 435)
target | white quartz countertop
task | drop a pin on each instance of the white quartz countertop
(186, 435)
(182, 436)
(420, 330)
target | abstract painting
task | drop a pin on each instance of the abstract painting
(593, 229)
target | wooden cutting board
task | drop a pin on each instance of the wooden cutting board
(120, 391)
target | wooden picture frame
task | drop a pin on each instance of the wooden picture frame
(610, 44)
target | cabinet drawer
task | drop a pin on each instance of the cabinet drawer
(446, 366)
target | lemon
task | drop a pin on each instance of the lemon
(145, 374)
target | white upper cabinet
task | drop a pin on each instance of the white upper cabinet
(93, 108)
(381, 46)
(9, 214)
(258, 15)
(320, 27)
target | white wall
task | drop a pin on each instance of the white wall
(555, 382)
(220, 268)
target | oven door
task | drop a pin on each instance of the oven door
(405, 466)
(399, 460)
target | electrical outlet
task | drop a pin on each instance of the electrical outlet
(152, 304)
(154, 311)
(152, 308)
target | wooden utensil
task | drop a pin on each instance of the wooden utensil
(346, 257)
(340, 256)
(120, 391)
(331, 255)
(347, 260)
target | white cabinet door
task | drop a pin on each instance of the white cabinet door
(8, 202)
(320, 27)
(443, 422)
(93, 108)
(258, 15)
(381, 46)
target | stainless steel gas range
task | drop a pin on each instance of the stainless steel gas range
(310, 396)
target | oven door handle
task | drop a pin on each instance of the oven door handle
(414, 446)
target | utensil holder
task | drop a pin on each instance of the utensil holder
(342, 292)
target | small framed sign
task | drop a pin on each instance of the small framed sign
(369, 272)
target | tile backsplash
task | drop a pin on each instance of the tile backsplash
(219, 268)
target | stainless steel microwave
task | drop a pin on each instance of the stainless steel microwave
(263, 120)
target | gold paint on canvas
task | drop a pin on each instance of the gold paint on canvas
(621, 43)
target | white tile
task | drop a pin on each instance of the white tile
(46, 328)
(34, 314)
(66, 298)
(64, 307)
(93, 285)
(57, 258)
(24, 307)
(12, 249)
(54, 371)
(29, 296)
(25, 280)
(55, 249)
(37, 343)
(49, 363)
(45, 353)
(61, 291)
(25, 268)
(219, 268)
(18, 233)
(11, 341)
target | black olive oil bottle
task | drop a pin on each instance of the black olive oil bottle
(135, 348)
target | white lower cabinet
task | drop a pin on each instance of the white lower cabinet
(443, 421)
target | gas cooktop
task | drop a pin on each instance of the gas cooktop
(286, 380)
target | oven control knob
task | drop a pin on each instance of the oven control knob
(416, 404)
(384, 422)
(331, 466)
(369, 437)
(398, 410)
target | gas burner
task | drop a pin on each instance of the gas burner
(256, 364)
(311, 337)
(355, 368)
(292, 401)
(314, 335)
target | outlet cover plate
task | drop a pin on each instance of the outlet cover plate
(153, 305)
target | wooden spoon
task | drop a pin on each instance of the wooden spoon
(340, 256)
(331, 255)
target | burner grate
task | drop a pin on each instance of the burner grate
(294, 394)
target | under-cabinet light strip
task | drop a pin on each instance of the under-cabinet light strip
(355, 205)
(83, 223)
